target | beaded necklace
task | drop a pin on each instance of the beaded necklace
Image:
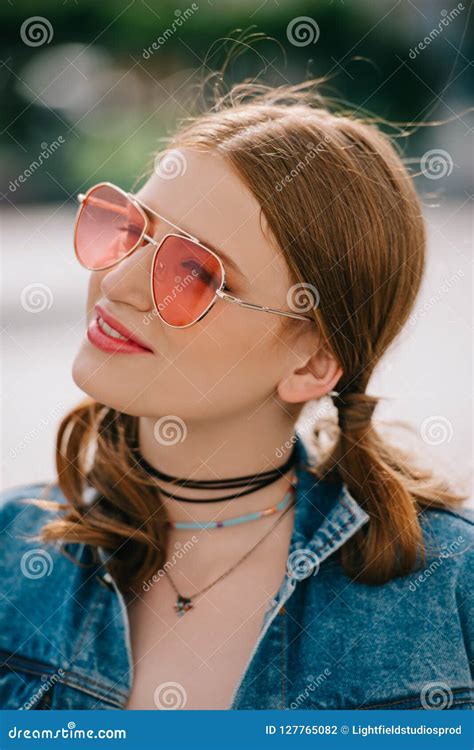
(237, 519)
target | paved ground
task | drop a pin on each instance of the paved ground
(427, 375)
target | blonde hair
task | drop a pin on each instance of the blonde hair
(344, 212)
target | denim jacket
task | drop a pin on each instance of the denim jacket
(326, 642)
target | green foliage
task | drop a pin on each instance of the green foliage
(137, 97)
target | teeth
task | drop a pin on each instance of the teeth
(109, 330)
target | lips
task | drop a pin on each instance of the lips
(110, 335)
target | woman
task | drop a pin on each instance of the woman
(193, 552)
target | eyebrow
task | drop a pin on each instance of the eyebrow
(229, 262)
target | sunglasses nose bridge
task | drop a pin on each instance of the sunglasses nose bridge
(143, 253)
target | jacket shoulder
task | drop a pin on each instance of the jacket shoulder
(449, 532)
(24, 557)
(58, 613)
(17, 511)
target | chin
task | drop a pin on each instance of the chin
(93, 377)
(104, 384)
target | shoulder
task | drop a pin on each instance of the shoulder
(27, 561)
(442, 578)
(21, 520)
(16, 509)
(459, 518)
(402, 643)
(449, 534)
(58, 612)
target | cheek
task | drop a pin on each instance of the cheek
(243, 331)
(233, 349)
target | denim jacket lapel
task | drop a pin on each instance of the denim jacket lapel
(339, 522)
(312, 538)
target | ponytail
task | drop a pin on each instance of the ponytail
(387, 485)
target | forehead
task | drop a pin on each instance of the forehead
(208, 199)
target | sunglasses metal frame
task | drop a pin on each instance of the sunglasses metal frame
(142, 207)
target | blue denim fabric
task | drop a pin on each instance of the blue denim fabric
(326, 642)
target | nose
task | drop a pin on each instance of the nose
(129, 280)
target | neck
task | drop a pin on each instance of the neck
(218, 450)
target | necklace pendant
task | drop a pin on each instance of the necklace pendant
(182, 605)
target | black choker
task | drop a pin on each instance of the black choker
(253, 482)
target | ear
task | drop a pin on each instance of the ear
(318, 375)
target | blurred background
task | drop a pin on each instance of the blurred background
(90, 90)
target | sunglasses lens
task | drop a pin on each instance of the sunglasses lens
(185, 279)
(109, 225)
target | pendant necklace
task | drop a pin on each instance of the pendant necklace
(185, 603)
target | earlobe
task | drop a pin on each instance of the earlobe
(296, 389)
(311, 381)
(299, 388)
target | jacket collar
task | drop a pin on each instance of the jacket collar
(326, 514)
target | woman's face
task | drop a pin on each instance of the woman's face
(230, 361)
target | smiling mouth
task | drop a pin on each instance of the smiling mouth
(107, 338)
(109, 330)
